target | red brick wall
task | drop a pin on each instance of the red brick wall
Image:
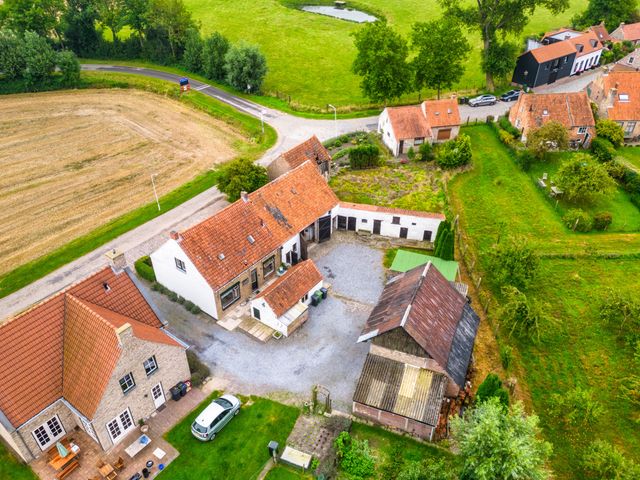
(393, 421)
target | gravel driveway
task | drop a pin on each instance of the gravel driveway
(323, 351)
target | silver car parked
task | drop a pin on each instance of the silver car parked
(483, 100)
(215, 417)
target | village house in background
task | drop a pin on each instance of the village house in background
(311, 150)
(421, 335)
(229, 257)
(432, 121)
(572, 110)
(629, 32)
(617, 95)
(629, 63)
(559, 54)
(95, 356)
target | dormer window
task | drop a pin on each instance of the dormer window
(624, 97)
(545, 112)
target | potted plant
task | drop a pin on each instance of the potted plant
(144, 428)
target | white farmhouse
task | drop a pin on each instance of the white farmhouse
(412, 125)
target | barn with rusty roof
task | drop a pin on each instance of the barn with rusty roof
(422, 333)
(311, 149)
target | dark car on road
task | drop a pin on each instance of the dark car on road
(511, 96)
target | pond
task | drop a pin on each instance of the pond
(341, 13)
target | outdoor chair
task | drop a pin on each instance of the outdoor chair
(100, 464)
(119, 465)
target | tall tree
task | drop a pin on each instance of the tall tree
(246, 67)
(136, 12)
(172, 18)
(442, 51)
(192, 57)
(382, 62)
(241, 175)
(498, 17)
(40, 16)
(583, 180)
(112, 16)
(496, 443)
(11, 54)
(214, 51)
(79, 26)
(611, 12)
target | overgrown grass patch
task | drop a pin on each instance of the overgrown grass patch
(239, 451)
(281, 472)
(11, 468)
(629, 156)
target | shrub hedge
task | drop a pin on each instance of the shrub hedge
(144, 268)
(364, 156)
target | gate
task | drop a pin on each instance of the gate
(324, 229)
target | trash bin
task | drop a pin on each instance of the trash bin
(175, 393)
(145, 473)
(314, 301)
(183, 388)
(324, 292)
(273, 448)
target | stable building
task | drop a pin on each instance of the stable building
(311, 150)
(617, 95)
(421, 336)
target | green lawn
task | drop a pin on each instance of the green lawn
(629, 156)
(240, 451)
(11, 468)
(309, 56)
(626, 216)
(386, 445)
(281, 472)
(497, 198)
(415, 186)
(252, 146)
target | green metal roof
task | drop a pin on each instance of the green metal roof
(406, 260)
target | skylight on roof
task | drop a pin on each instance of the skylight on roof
(251, 239)
(545, 112)
(624, 97)
(221, 256)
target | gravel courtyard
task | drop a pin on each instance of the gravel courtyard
(323, 351)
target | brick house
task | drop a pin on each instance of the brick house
(572, 110)
(617, 95)
(432, 121)
(226, 259)
(422, 333)
(627, 32)
(311, 149)
(95, 356)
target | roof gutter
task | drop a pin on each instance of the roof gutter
(367, 336)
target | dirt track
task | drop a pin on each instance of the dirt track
(72, 161)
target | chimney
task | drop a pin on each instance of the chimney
(116, 260)
(244, 196)
(124, 332)
(175, 236)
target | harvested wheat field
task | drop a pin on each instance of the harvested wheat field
(72, 161)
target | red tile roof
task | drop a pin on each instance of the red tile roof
(570, 109)
(601, 32)
(588, 41)
(287, 290)
(393, 211)
(433, 313)
(625, 83)
(220, 246)
(408, 122)
(62, 329)
(312, 150)
(630, 31)
(442, 113)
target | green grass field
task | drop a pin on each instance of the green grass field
(630, 156)
(494, 198)
(239, 451)
(310, 56)
(12, 468)
(281, 472)
(252, 147)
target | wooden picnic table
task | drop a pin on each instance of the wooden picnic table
(58, 463)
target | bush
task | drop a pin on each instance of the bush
(181, 300)
(602, 220)
(354, 456)
(492, 388)
(505, 124)
(550, 136)
(364, 156)
(411, 154)
(241, 175)
(583, 180)
(603, 461)
(343, 139)
(188, 304)
(195, 310)
(602, 149)
(610, 130)
(173, 296)
(144, 268)
(427, 152)
(513, 262)
(455, 153)
(199, 371)
(578, 220)
(506, 137)
(214, 50)
(155, 286)
(39, 57)
(506, 356)
(525, 158)
(577, 407)
(69, 68)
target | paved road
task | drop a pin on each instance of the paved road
(291, 131)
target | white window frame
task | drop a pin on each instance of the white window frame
(130, 385)
(123, 425)
(235, 291)
(271, 261)
(629, 128)
(582, 130)
(180, 265)
(47, 429)
(150, 361)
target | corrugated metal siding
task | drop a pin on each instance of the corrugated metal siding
(462, 346)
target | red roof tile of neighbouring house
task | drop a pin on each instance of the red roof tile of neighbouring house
(629, 32)
(311, 149)
(61, 336)
(601, 32)
(623, 92)
(224, 245)
(442, 113)
(430, 309)
(396, 211)
(572, 110)
(408, 122)
(287, 290)
(582, 45)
